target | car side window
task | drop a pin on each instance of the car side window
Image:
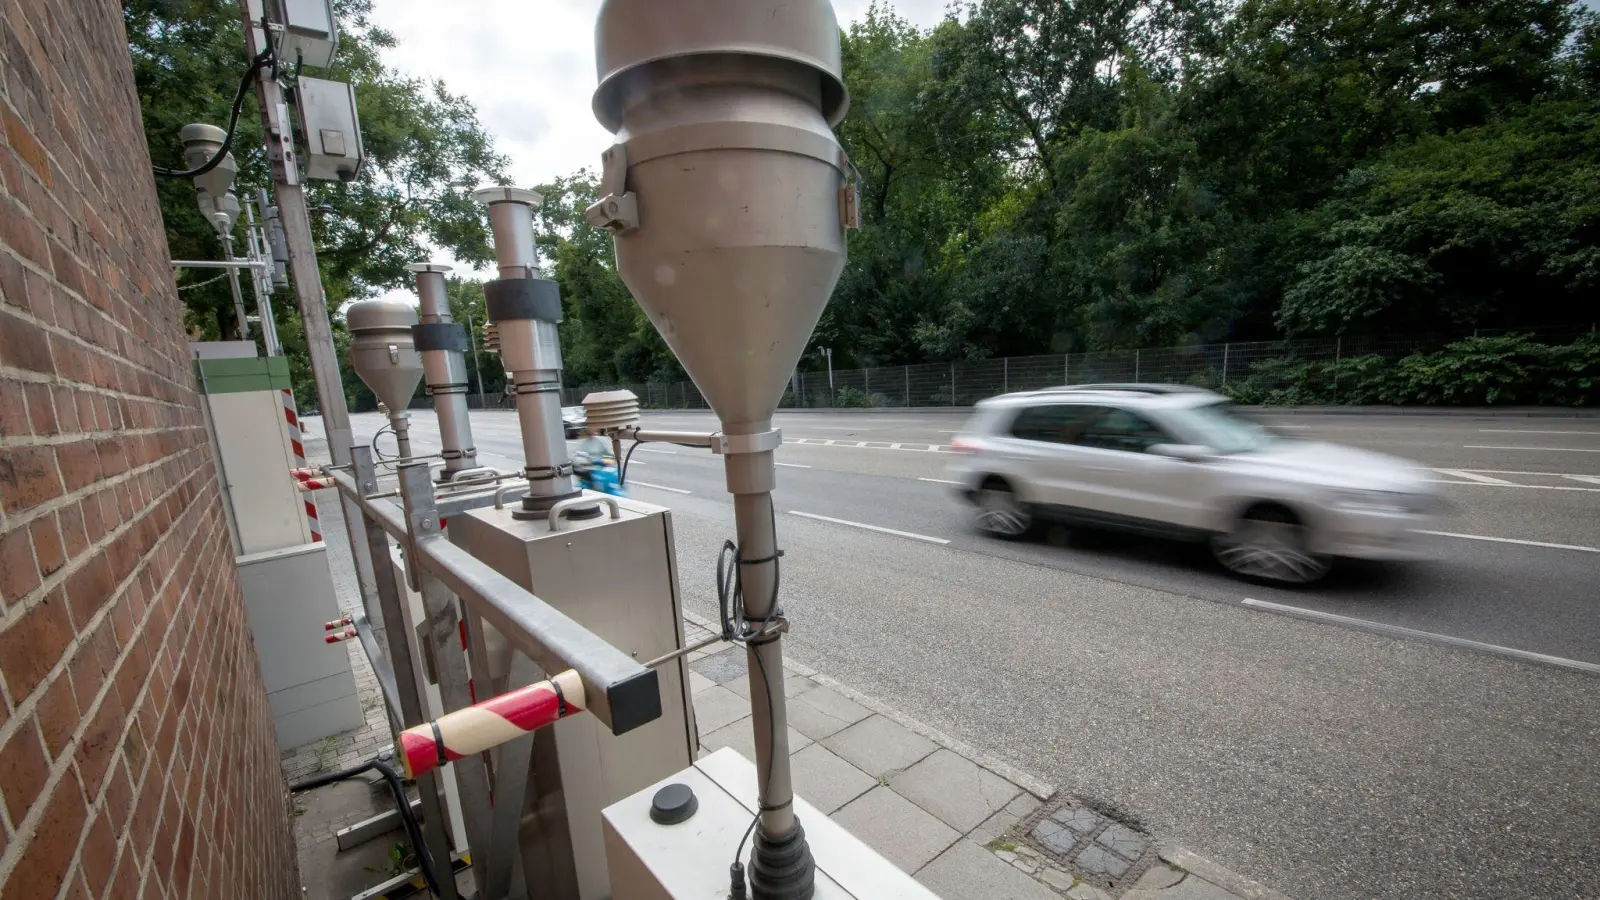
(1056, 423)
(1120, 429)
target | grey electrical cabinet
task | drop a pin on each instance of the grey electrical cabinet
(333, 150)
(310, 33)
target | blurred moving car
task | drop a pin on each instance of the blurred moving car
(1177, 461)
(573, 420)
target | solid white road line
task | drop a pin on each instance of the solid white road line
(939, 480)
(1587, 479)
(659, 487)
(1500, 540)
(863, 525)
(792, 465)
(1544, 449)
(1510, 472)
(662, 452)
(1530, 431)
(1473, 476)
(1507, 484)
(1400, 631)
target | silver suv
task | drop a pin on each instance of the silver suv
(1178, 461)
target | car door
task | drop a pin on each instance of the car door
(1121, 478)
(1033, 447)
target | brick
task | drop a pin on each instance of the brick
(24, 345)
(19, 574)
(51, 850)
(57, 712)
(33, 644)
(23, 770)
(99, 742)
(88, 589)
(22, 141)
(80, 464)
(66, 410)
(47, 546)
(41, 411)
(14, 420)
(28, 477)
(99, 854)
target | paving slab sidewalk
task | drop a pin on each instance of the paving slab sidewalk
(960, 822)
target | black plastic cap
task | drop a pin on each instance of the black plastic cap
(673, 804)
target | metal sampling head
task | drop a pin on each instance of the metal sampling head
(382, 350)
(611, 412)
(213, 189)
(726, 190)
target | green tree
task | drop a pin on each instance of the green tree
(425, 152)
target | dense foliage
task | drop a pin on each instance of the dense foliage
(1045, 176)
(425, 152)
(1054, 175)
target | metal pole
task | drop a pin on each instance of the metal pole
(261, 281)
(238, 295)
(1066, 369)
(1225, 348)
(1136, 367)
(443, 634)
(296, 222)
(477, 361)
(438, 338)
(1338, 354)
(393, 623)
(952, 384)
(908, 385)
(1005, 375)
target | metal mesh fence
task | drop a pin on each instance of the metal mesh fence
(1265, 364)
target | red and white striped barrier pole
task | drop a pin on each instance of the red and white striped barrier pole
(489, 724)
(338, 636)
(299, 450)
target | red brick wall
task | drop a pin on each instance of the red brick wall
(137, 757)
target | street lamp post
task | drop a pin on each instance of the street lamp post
(477, 362)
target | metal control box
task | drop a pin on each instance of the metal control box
(310, 33)
(332, 150)
(617, 578)
(652, 861)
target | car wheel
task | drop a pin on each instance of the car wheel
(1000, 513)
(1269, 544)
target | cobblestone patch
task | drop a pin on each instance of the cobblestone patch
(1080, 852)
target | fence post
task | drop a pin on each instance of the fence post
(1135, 366)
(952, 384)
(908, 385)
(1066, 369)
(866, 379)
(1338, 354)
(1005, 375)
(1225, 364)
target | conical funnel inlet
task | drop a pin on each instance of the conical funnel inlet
(382, 350)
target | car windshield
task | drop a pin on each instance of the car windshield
(1217, 426)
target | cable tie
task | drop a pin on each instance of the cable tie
(438, 742)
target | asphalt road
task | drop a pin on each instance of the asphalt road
(1323, 759)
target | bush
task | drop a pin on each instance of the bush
(855, 398)
(1484, 371)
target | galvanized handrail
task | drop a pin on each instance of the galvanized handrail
(622, 692)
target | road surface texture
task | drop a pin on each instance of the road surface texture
(1328, 758)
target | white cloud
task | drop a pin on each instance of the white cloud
(528, 67)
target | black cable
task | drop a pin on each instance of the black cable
(402, 804)
(622, 470)
(379, 453)
(260, 60)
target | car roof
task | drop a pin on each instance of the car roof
(1122, 394)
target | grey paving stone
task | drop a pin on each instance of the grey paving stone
(721, 667)
(1159, 877)
(1191, 888)
(742, 738)
(1083, 890)
(716, 706)
(897, 828)
(960, 792)
(966, 871)
(826, 781)
(836, 704)
(996, 825)
(1055, 837)
(1123, 841)
(812, 721)
(1077, 818)
(698, 682)
(878, 746)
(793, 685)
(1057, 879)
(1097, 860)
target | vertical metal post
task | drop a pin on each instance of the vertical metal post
(1136, 367)
(1225, 348)
(908, 385)
(233, 286)
(1005, 375)
(952, 384)
(1338, 354)
(296, 222)
(443, 630)
(477, 361)
(1066, 369)
(261, 279)
(866, 379)
(392, 623)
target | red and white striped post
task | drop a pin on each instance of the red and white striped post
(489, 724)
(299, 450)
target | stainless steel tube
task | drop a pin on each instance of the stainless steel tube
(753, 524)
(439, 341)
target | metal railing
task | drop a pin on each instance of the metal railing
(965, 382)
